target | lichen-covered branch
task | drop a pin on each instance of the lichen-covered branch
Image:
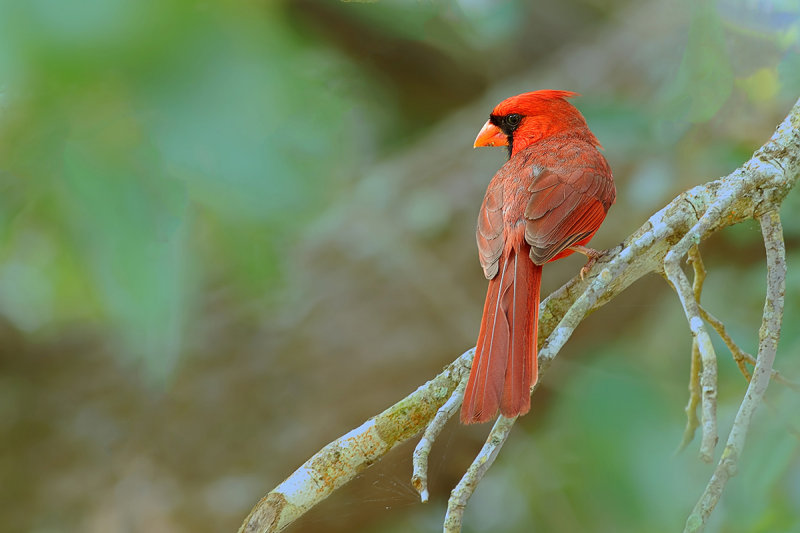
(692, 422)
(419, 479)
(701, 339)
(767, 348)
(341, 460)
(758, 186)
(469, 482)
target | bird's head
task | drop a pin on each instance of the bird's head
(522, 120)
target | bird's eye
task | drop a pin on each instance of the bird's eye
(513, 120)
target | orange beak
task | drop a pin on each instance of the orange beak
(490, 135)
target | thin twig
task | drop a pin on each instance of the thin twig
(708, 375)
(696, 260)
(740, 356)
(462, 492)
(419, 479)
(692, 422)
(768, 335)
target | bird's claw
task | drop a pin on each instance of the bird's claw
(587, 267)
(592, 257)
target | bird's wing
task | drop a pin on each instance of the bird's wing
(490, 229)
(565, 208)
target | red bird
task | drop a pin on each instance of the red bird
(545, 203)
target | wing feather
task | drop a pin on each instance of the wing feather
(490, 230)
(564, 209)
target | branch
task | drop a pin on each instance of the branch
(740, 356)
(459, 496)
(768, 344)
(700, 342)
(692, 423)
(419, 478)
(341, 460)
(758, 186)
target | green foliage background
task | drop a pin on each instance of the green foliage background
(230, 231)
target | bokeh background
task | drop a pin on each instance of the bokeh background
(232, 231)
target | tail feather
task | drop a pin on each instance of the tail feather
(505, 366)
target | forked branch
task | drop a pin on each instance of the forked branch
(767, 348)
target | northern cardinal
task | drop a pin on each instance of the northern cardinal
(546, 202)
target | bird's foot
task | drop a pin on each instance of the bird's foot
(592, 255)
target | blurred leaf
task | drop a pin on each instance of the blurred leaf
(130, 122)
(132, 228)
(762, 85)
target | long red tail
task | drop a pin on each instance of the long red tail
(505, 367)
